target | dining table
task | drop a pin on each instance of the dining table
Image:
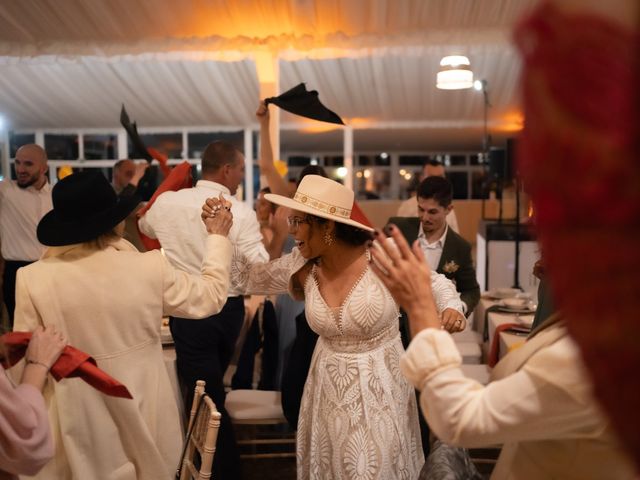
(502, 328)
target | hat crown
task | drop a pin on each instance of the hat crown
(82, 195)
(325, 195)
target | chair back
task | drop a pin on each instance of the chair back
(204, 423)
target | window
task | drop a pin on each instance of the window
(16, 140)
(459, 182)
(299, 161)
(100, 147)
(476, 159)
(61, 147)
(452, 160)
(413, 159)
(199, 141)
(372, 183)
(374, 160)
(169, 144)
(409, 178)
(334, 161)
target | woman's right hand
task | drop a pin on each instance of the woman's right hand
(45, 346)
(262, 114)
(217, 216)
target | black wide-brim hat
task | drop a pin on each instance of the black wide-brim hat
(84, 207)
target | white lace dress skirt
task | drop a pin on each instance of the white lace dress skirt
(358, 419)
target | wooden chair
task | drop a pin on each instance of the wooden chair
(204, 423)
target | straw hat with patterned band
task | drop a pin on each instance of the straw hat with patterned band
(321, 197)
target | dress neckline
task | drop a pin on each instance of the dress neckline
(340, 309)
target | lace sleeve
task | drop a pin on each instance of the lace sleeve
(445, 293)
(265, 278)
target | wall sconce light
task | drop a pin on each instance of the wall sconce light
(455, 73)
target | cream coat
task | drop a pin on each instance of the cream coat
(110, 303)
(539, 406)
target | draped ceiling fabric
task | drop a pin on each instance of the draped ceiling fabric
(72, 63)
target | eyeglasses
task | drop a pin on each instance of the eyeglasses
(294, 222)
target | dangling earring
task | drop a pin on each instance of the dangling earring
(328, 238)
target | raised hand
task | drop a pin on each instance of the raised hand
(141, 168)
(217, 216)
(407, 276)
(262, 113)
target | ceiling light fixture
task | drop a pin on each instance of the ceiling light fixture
(455, 73)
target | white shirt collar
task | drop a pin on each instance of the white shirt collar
(438, 243)
(213, 186)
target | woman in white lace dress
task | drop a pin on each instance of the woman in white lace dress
(358, 418)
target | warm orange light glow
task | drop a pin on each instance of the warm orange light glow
(313, 126)
(359, 122)
(511, 122)
(266, 66)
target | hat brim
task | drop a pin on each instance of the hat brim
(292, 204)
(55, 232)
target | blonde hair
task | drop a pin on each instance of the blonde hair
(104, 240)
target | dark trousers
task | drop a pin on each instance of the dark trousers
(261, 340)
(9, 286)
(296, 370)
(203, 352)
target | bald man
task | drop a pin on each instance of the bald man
(23, 202)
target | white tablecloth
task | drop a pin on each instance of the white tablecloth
(507, 340)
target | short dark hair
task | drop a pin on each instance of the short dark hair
(312, 170)
(432, 162)
(346, 233)
(438, 188)
(218, 154)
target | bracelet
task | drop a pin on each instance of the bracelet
(35, 362)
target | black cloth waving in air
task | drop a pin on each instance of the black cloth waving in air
(305, 103)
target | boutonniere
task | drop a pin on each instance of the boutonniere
(450, 267)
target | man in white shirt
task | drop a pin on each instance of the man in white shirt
(409, 208)
(204, 347)
(23, 202)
